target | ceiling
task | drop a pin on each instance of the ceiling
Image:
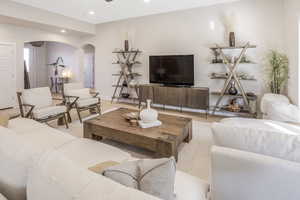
(116, 10)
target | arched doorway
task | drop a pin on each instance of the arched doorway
(89, 66)
(49, 63)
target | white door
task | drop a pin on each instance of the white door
(7, 75)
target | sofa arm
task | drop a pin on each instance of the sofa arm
(248, 176)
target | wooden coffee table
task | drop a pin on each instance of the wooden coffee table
(163, 140)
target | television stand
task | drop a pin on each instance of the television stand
(182, 97)
(177, 86)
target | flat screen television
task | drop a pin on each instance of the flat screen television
(175, 70)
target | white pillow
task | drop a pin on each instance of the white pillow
(81, 93)
(277, 142)
(283, 112)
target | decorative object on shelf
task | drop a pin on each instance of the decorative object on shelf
(148, 115)
(231, 39)
(216, 57)
(126, 45)
(234, 106)
(127, 78)
(125, 95)
(232, 76)
(232, 90)
(58, 63)
(229, 21)
(278, 71)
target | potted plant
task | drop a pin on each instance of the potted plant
(278, 71)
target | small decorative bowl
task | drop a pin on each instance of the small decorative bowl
(131, 116)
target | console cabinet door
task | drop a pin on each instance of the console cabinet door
(145, 92)
(173, 96)
(159, 95)
(196, 98)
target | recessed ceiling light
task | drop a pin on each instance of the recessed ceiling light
(92, 12)
(147, 1)
(63, 31)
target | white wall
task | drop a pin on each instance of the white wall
(292, 20)
(20, 35)
(38, 69)
(189, 32)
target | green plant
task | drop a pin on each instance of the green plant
(278, 68)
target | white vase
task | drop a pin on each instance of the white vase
(148, 115)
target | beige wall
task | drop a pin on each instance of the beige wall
(189, 32)
(292, 16)
(20, 35)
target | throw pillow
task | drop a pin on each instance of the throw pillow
(4, 120)
(155, 177)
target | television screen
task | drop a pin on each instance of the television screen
(172, 70)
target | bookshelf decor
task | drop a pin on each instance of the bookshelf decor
(233, 79)
(126, 76)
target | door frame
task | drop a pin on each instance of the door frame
(14, 70)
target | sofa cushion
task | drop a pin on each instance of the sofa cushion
(87, 153)
(283, 112)
(270, 99)
(16, 157)
(189, 187)
(39, 97)
(45, 112)
(24, 125)
(87, 102)
(83, 93)
(270, 138)
(2, 197)
(153, 176)
(56, 177)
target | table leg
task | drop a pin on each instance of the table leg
(188, 131)
(167, 148)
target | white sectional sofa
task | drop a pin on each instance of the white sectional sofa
(2, 197)
(43, 163)
(255, 160)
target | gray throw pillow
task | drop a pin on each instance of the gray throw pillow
(153, 176)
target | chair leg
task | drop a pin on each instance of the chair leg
(66, 121)
(98, 109)
(69, 116)
(79, 116)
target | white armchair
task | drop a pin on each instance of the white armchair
(279, 108)
(38, 104)
(80, 98)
